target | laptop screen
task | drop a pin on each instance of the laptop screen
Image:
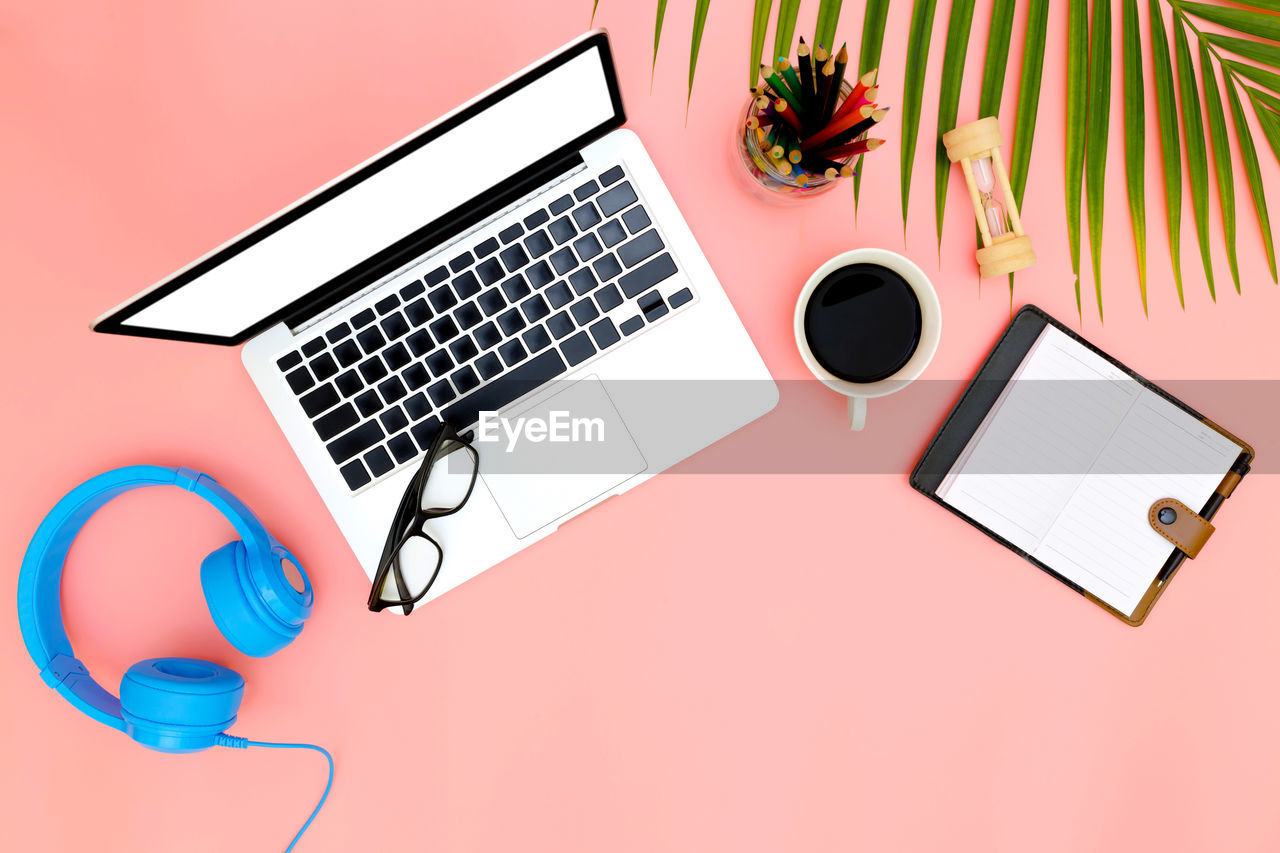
(251, 282)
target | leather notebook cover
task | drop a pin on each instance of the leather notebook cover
(974, 417)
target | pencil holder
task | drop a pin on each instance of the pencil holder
(764, 175)
(976, 147)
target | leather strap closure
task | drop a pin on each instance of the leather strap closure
(1176, 522)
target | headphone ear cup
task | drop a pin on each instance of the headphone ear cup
(243, 599)
(179, 704)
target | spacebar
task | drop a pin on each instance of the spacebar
(504, 389)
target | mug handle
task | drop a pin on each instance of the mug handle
(857, 413)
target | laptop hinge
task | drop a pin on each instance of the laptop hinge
(443, 229)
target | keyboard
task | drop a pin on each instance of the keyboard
(512, 308)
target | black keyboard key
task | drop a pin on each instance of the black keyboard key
(539, 275)
(336, 422)
(324, 367)
(586, 191)
(349, 383)
(490, 271)
(587, 247)
(560, 324)
(416, 376)
(369, 403)
(610, 176)
(392, 390)
(372, 369)
(402, 448)
(607, 267)
(488, 366)
(586, 216)
(583, 281)
(514, 257)
(396, 356)
(444, 329)
(533, 220)
(505, 389)
(417, 406)
(468, 315)
(320, 400)
(609, 298)
(487, 336)
(420, 343)
(492, 302)
(640, 248)
(633, 325)
(418, 312)
(289, 360)
(466, 285)
(644, 277)
(362, 318)
(563, 261)
(535, 308)
(395, 326)
(605, 333)
(461, 262)
(463, 349)
(511, 232)
(560, 205)
(337, 333)
(393, 420)
(355, 475)
(584, 311)
(379, 461)
(439, 363)
(425, 433)
(616, 199)
(436, 276)
(386, 304)
(652, 305)
(412, 289)
(538, 244)
(516, 288)
(300, 380)
(612, 233)
(348, 353)
(511, 322)
(536, 339)
(680, 297)
(441, 393)
(560, 295)
(562, 229)
(578, 348)
(465, 379)
(371, 340)
(637, 220)
(485, 248)
(312, 347)
(512, 353)
(442, 299)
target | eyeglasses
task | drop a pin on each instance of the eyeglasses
(427, 497)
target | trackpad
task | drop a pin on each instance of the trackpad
(543, 461)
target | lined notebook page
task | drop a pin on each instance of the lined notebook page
(1069, 460)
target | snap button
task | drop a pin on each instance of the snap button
(1167, 515)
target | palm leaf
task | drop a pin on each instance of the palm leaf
(997, 58)
(1249, 21)
(1170, 148)
(1221, 160)
(918, 35)
(788, 10)
(1258, 51)
(1077, 104)
(759, 23)
(1249, 154)
(1135, 140)
(1263, 77)
(1197, 156)
(1267, 119)
(873, 18)
(824, 33)
(1024, 128)
(594, 4)
(1098, 125)
(953, 56)
(699, 23)
(657, 35)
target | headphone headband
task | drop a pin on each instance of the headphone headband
(40, 581)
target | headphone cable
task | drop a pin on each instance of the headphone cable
(242, 743)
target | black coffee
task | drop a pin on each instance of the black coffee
(863, 322)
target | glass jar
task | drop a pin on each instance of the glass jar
(761, 173)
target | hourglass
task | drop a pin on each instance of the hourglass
(976, 147)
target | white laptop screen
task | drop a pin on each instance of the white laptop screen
(548, 110)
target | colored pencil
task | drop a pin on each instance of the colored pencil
(788, 115)
(859, 90)
(837, 127)
(851, 135)
(853, 149)
(780, 88)
(793, 81)
(833, 92)
(806, 69)
(817, 120)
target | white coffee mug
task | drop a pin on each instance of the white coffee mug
(930, 330)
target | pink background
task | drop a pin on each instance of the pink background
(769, 663)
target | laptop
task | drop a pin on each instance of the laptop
(519, 255)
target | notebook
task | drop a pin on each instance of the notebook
(1060, 452)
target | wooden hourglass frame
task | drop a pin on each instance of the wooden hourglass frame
(1005, 247)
